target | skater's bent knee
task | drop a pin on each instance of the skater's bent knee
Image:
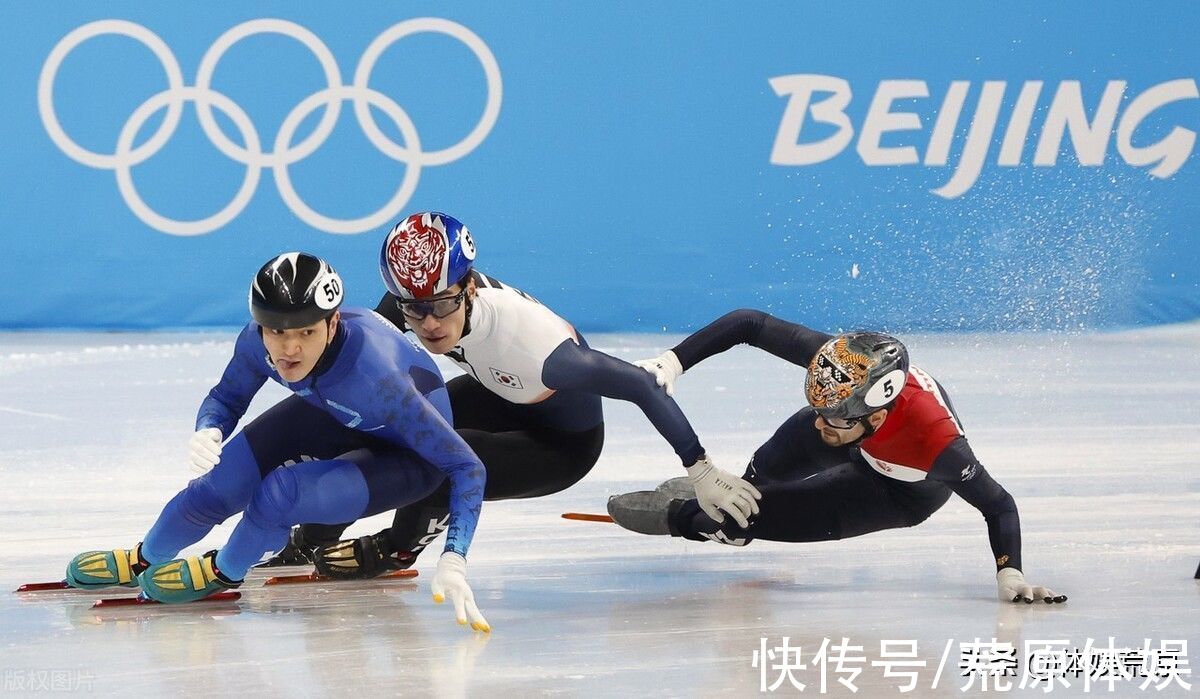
(275, 497)
(203, 504)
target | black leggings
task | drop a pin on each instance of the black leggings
(815, 492)
(523, 460)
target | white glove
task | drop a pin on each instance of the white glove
(204, 449)
(451, 580)
(718, 490)
(665, 367)
(1013, 588)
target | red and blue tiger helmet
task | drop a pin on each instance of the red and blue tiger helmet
(425, 254)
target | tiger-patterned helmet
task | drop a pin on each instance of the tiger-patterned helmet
(425, 254)
(855, 374)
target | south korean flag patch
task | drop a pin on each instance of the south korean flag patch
(506, 379)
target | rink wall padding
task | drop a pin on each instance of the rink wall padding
(636, 166)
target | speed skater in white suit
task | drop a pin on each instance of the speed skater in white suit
(529, 403)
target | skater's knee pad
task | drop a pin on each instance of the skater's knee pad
(275, 498)
(203, 504)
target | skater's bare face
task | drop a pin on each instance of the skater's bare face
(440, 335)
(296, 351)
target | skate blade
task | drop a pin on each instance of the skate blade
(47, 587)
(110, 602)
(314, 578)
(585, 517)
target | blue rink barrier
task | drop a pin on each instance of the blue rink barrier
(636, 166)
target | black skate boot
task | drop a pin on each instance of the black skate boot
(364, 557)
(298, 552)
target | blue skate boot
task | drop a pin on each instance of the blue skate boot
(97, 569)
(185, 579)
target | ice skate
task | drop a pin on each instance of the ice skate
(643, 511)
(185, 579)
(298, 552)
(97, 569)
(364, 557)
(678, 488)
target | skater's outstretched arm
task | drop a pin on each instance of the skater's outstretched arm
(400, 403)
(958, 468)
(431, 436)
(406, 404)
(574, 367)
(789, 341)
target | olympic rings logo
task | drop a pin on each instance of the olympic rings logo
(284, 153)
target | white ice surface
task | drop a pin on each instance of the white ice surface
(1096, 437)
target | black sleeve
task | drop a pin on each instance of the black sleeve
(390, 310)
(958, 468)
(572, 367)
(790, 341)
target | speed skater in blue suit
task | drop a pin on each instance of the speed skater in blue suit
(356, 368)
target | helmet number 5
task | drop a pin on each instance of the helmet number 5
(888, 389)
